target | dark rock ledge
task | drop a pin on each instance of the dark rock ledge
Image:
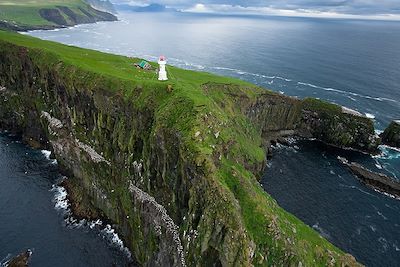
(21, 260)
(378, 181)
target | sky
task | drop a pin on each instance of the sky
(368, 9)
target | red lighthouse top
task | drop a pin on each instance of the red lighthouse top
(162, 58)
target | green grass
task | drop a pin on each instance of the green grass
(319, 105)
(214, 130)
(26, 13)
(113, 65)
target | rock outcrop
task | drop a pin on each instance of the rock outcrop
(281, 116)
(391, 135)
(378, 181)
(102, 5)
(21, 260)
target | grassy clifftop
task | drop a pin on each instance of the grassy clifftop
(197, 150)
(48, 14)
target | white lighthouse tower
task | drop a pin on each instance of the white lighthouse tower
(162, 73)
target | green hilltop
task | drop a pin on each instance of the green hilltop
(47, 14)
(213, 117)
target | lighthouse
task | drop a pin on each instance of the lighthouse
(162, 73)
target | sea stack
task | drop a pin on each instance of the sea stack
(391, 136)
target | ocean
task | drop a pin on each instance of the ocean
(354, 63)
(34, 215)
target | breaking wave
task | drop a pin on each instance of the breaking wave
(356, 188)
(47, 154)
(348, 92)
(62, 205)
(369, 115)
(321, 231)
(388, 152)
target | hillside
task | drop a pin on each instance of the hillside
(102, 5)
(176, 171)
(48, 14)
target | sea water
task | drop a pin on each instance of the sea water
(34, 215)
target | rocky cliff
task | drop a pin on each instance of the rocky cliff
(102, 5)
(45, 14)
(391, 135)
(176, 172)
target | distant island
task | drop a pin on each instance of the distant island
(51, 14)
(147, 8)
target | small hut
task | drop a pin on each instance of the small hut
(143, 65)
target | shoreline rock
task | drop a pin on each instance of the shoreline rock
(378, 181)
(79, 205)
(20, 260)
(391, 135)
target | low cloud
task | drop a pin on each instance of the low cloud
(374, 9)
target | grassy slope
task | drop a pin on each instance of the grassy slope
(26, 13)
(264, 220)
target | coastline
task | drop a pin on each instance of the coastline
(161, 154)
(56, 17)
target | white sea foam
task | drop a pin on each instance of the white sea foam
(369, 115)
(348, 92)
(283, 79)
(381, 214)
(379, 166)
(93, 224)
(61, 203)
(46, 153)
(60, 198)
(4, 262)
(321, 231)
(242, 72)
(356, 188)
(384, 243)
(387, 194)
(110, 234)
(388, 152)
(358, 230)
(224, 68)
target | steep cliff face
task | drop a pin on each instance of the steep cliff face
(280, 116)
(175, 172)
(102, 5)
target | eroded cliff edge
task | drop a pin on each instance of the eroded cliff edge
(176, 172)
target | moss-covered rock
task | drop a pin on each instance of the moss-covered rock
(391, 135)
